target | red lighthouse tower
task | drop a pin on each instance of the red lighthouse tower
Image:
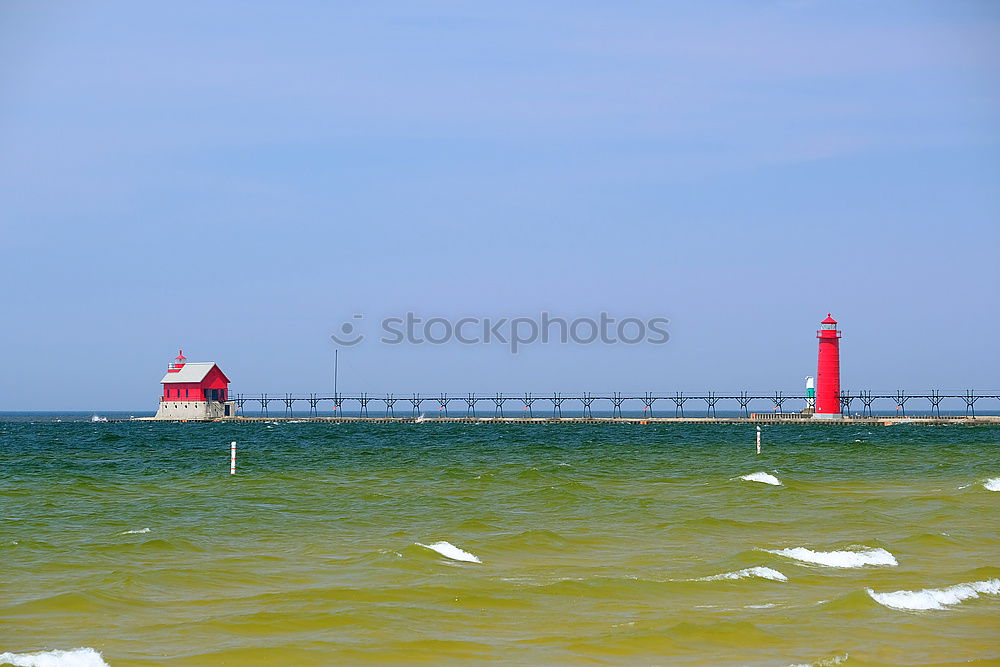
(828, 371)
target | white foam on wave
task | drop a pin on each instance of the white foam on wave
(449, 550)
(935, 598)
(141, 531)
(761, 572)
(825, 662)
(79, 657)
(386, 552)
(992, 484)
(857, 558)
(762, 477)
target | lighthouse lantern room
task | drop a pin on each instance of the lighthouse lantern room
(198, 390)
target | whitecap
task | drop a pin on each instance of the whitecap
(825, 662)
(80, 657)
(761, 572)
(857, 558)
(935, 598)
(763, 477)
(141, 531)
(449, 550)
(992, 484)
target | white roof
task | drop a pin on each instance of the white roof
(190, 372)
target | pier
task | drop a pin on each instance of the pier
(753, 419)
(655, 407)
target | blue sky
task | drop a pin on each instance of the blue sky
(239, 179)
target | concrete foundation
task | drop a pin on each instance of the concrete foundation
(194, 410)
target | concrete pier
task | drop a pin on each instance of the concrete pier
(761, 419)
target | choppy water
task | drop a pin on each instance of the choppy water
(612, 544)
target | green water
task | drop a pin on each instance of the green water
(591, 537)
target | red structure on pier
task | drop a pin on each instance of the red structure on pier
(198, 390)
(201, 381)
(828, 371)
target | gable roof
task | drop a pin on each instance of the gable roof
(191, 372)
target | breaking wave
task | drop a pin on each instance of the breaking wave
(992, 484)
(449, 550)
(825, 662)
(935, 598)
(80, 657)
(761, 572)
(762, 477)
(858, 558)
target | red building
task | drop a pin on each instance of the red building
(194, 390)
(828, 370)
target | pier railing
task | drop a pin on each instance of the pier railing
(474, 405)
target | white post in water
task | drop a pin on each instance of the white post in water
(232, 457)
(758, 440)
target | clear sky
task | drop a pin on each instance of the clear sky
(240, 179)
